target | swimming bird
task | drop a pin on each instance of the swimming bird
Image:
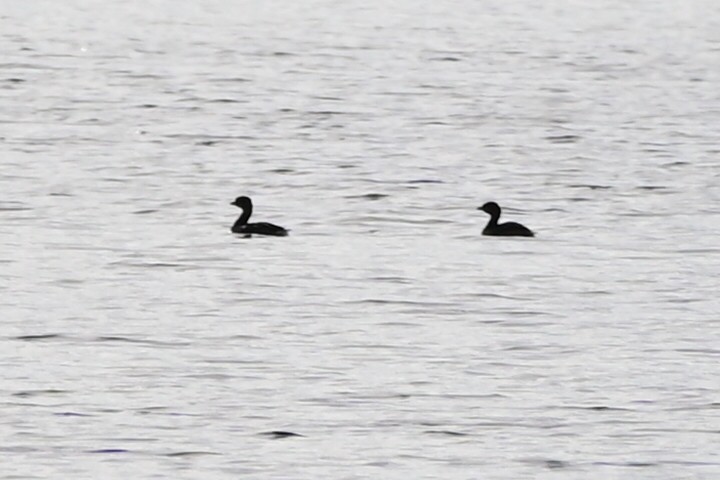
(277, 434)
(509, 229)
(260, 228)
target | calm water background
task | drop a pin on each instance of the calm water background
(140, 339)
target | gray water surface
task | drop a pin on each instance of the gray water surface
(142, 340)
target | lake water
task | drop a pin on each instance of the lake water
(141, 339)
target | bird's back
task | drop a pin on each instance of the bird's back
(509, 229)
(261, 228)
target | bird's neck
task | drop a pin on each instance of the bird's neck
(494, 217)
(244, 217)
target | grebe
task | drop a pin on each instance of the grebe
(509, 229)
(260, 228)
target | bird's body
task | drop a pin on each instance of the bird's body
(260, 228)
(508, 229)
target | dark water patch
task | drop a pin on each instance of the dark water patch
(596, 292)
(447, 433)
(556, 90)
(459, 396)
(391, 279)
(627, 464)
(399, 324)
(421, 181)
(523, 348)
(227, 361)
(692, 251)
(490, 322)
(41, 336)
(642, 214)
(230, 80)
(445, 59)
(563, 138)
(395, 220)
(701, 351)
(208, 259)
(594, 408)
(224, 100)
(523, 313)
(652, 432)
(199, 138)
(493, 295)
(148, 105)
(92, 121)
(21, 449)
(384, 301)
(559, 121)
(378, 181)
(71, 414)
(149, 264)
(502, 425)
(386, 396)
(190, 454)
(368, 196)
(651, 187)
(552, 464)
(139, 76)
(29, 66)
(170, 414)
(15, 80)
(150, 410)
(555, 464)
(210, 376)
(109, 450)
(590, 186)
(396, 93)
(431, 86)
(685, 300)
(110, 410)
(688, 463)
(374, 346)
(239, 337)
(207, 143)
(278, 434)
(145, 212)
(282, 170)
(327, 98)
(4, 208)
(524, 323)
(326, 113)
(119, 339)
(39, 393)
